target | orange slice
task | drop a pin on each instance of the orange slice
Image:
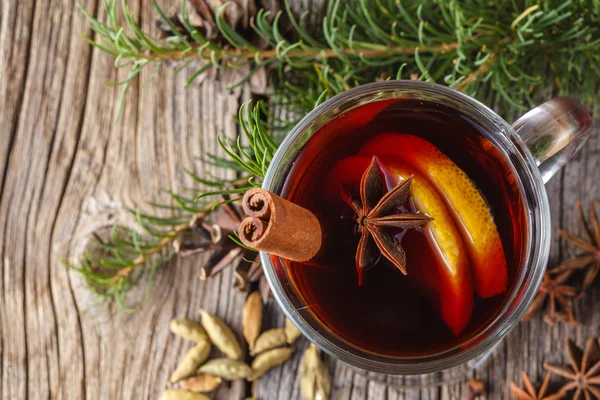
(471, 213)
(452, 282)
(446, 275)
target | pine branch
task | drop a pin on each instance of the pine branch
(111, 267)
(271, 55)
(517, 50)
(514, 50)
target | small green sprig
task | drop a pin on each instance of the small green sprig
(253, 158)
(502, 49)
(111, 266)
(514, 48)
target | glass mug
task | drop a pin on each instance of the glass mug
(537, 145)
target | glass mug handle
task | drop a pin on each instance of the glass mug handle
(554, 132)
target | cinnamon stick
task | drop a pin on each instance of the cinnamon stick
(278, 226)
(241, 279)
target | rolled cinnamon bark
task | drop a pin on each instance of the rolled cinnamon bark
(278, 226)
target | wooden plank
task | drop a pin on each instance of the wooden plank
(66, 170)
(15, 37)
(37, 167)
(139, 157)
(70, 159)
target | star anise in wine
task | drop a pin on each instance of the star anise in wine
(583, 371)
(589, 259)
(528, 391)
(376, 212)
(554, 295)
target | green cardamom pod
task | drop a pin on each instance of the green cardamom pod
(226, 369)
(315, 383)
(221, 335)
(267, 360)
(200, 383)
(175, 394)
(188, 330)
(269, 340)
(291, 332)
(252, 318)
(194, 358)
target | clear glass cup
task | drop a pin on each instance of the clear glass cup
(536, 145)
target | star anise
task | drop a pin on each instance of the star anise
(554, 295)
(590, 258)
(529, 393)
(584, 371)
(375, 213)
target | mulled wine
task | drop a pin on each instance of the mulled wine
(459, 265)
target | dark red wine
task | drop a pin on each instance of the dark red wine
(391, 313)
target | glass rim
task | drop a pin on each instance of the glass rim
(530, 275)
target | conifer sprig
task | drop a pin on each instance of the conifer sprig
(517, 48)
(511, 49)
(111, 266)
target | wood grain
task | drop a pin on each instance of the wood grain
(67, 170)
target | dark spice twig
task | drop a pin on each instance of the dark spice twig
(240, 276)
(218, 261)
(256, 271)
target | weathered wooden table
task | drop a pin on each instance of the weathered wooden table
(66, 169)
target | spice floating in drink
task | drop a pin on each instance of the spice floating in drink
(376, 214)
(465, 202)
(449, 283)
(459, 178)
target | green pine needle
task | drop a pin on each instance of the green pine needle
(111, 268)
(505, 50)
(515, 49)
